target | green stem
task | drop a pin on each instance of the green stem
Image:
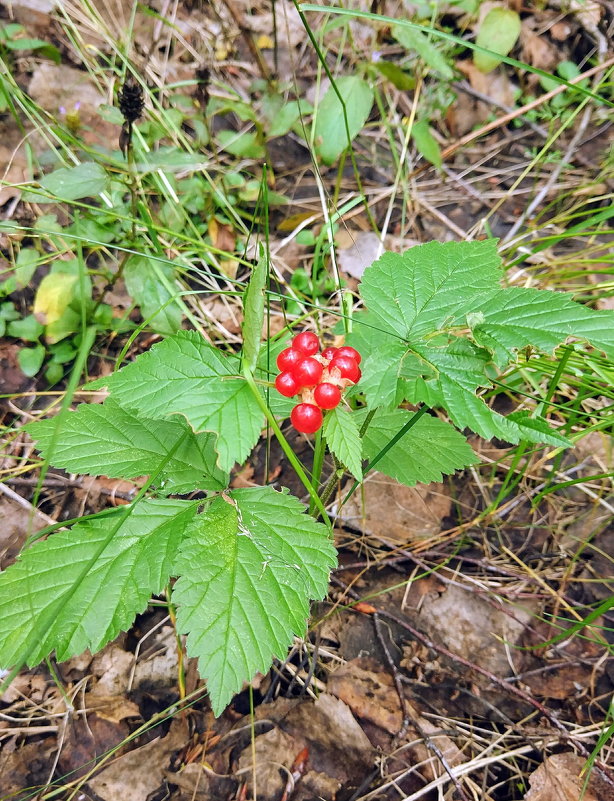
(318, 462)
(285, 446)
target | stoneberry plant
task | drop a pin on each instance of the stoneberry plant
(241, 566)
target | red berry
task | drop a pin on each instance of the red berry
(307, 343)
(327, 396)
(346, 350)
(289, 358)
(347, 367)
(286, 384)
(308, 372)
(306, 418)
(328, 353)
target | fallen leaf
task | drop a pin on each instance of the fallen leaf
(363, 251)
(537, 50)
(114, 708)
(558, 779)
(17, 524)
(394, 513)
(495, 85)
(133, 776)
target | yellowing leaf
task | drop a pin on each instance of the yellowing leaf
(53, 296)
(264, 42)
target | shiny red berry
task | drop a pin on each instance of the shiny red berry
(308, 372)
(306, 418)
(328, 353)
(347, 367)
(327, 396)
(286, 384)
(289, 358)
(306, 343)
(346, 350)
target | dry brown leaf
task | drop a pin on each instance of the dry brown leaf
(537, 50)
(133, 776)
(397, 514)
(559, 779)
(495, 84)
(371, 695)
(470, 625)
(360, 253)
(112, 666)
(114, 708)
(56, 86)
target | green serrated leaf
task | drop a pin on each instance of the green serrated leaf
(416, 292)
(499, 32)
(249, 567)
(515, 317)
(185, 375)
(330, 131)
(253, 312)
(153, 295)
(427, 452)
(536, 429)
(104, 439)
(417, 40)
(79, 588)
(343, 438)
(380, 378)
(459, 372)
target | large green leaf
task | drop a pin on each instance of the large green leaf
(248, 568)
(153, 295)
(343, 439)
(381, 371)
(109, 440)
(510, 319)
(415, 293)
(459, 372)
(427, 452)
(330, 130)
(78, 589)
(185, 375)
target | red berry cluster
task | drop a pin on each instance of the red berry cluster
(318, 377)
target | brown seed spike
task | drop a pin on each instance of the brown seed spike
(131, 101)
